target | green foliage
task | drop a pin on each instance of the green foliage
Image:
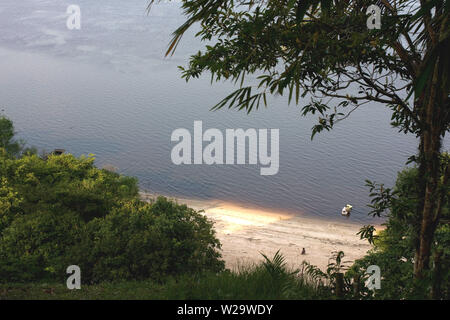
(323, 50)
(394, 249)
(12, 147)
(253, 282)
(368, 232)
(270, 279)
(328, 280)
(141, 241)
(283, 280)
(62, 184)
(275, 266)
(62, 210)
(36, 247)
(320, 49)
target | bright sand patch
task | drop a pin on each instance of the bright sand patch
(245, 233)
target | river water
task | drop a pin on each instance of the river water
(108, 90)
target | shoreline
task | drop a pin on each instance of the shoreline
(246, 232)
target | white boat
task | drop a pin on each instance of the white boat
(347, 210)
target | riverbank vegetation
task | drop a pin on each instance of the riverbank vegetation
(252, 282)
(328, 59)
(59, 210)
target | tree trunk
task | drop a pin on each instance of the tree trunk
(339, 285)
(429, 216)
(356, 287)
(437, 276)
(432, 111)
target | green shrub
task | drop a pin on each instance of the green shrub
(270, 280)
(394, 247)
(12, 147)
(141, 240)
(62, 210)
(65, 183)
(36, 246)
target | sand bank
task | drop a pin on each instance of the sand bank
(246, 232)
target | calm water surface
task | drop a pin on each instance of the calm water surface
(108, 90)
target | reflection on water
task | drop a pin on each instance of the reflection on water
(107, 90)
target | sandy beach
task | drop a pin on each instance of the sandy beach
(246, 232)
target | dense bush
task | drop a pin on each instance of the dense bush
(61, 184)
(7, 142)
(62, 210)
(36, 247)
(394, 247)
(141, 240)
(10, 146)
(268, 280)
